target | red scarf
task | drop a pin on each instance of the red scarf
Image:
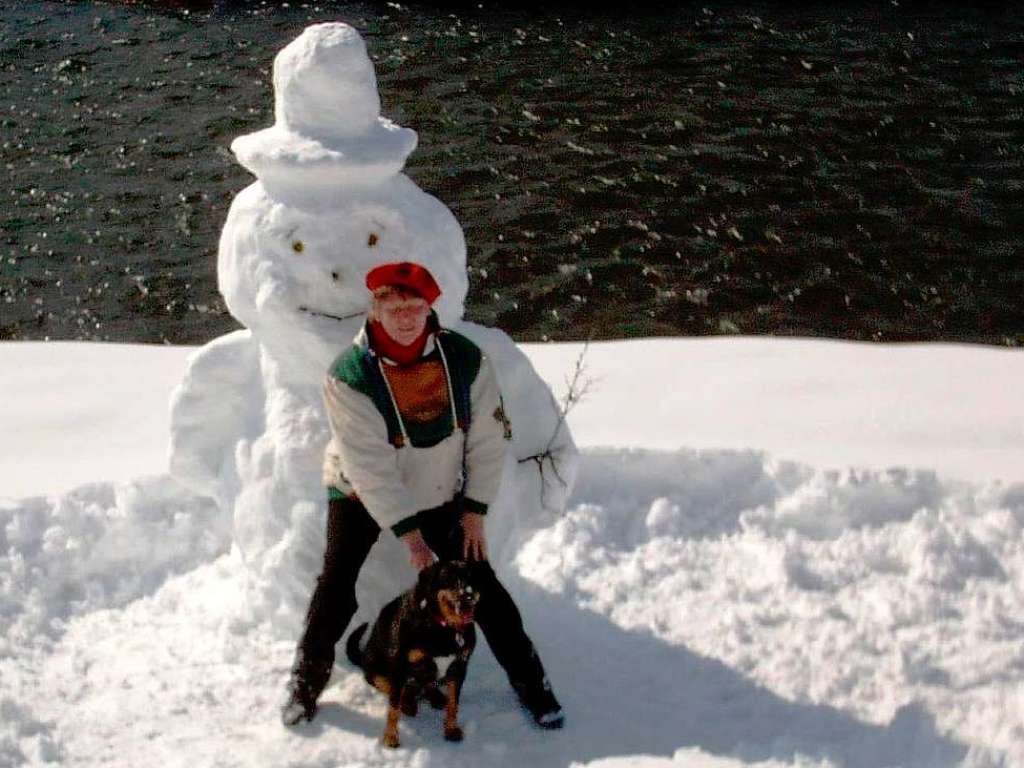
(387, 347)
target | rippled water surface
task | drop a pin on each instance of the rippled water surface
(850, 171)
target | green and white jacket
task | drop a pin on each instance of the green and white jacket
(398, 468)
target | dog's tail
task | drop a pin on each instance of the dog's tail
(352, 649)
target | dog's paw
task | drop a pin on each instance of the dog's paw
(390, 740)
(452, 733)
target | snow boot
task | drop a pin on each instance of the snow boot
(307, 682)
(542, 705)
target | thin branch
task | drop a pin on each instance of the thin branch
(578, 386)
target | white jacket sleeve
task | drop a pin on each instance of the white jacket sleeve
(367, 458)
(487, 441)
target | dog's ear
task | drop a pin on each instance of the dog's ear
(425, 586)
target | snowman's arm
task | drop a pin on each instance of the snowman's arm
(219, 400)
(367, 458)
(487, 441)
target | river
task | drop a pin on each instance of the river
(847, 170)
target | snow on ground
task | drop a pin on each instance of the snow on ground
(724, 592)
(84, 413)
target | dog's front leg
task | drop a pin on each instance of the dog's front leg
(421, 671)
(409, 702)
(395, 694)
(455, 676)
(452, 729)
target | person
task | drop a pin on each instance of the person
(418, 442)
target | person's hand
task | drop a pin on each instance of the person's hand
(419, 553)
(474, 539)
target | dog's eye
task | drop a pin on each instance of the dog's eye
(467, 591)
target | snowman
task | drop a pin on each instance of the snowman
(248, 426)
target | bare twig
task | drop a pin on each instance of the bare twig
(578, 386)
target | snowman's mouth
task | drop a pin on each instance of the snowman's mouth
(339, 318)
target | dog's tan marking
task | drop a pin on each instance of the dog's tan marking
(452, 730)
(381, 684)
(390, 737)
(447, 603)
(416, 655)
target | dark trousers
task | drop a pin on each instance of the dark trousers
(351, 533)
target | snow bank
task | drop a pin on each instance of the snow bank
(870, 591)
(99, 546)
(695, 758)
(703, 607)
(81, 554)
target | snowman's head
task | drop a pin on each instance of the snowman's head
(297, 277)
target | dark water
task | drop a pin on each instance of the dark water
(844, 170)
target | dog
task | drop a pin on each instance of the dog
(421, 627)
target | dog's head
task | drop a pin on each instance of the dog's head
(446, 590)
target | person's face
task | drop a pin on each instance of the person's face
(403, 318)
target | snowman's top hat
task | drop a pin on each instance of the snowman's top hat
(328, 129)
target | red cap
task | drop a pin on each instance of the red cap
(407, 275)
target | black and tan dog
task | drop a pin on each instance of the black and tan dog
(413, 633)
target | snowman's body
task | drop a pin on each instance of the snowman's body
(248, 425)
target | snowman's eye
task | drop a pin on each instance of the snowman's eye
(335, 276)
(372, 241)
(298, 246)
